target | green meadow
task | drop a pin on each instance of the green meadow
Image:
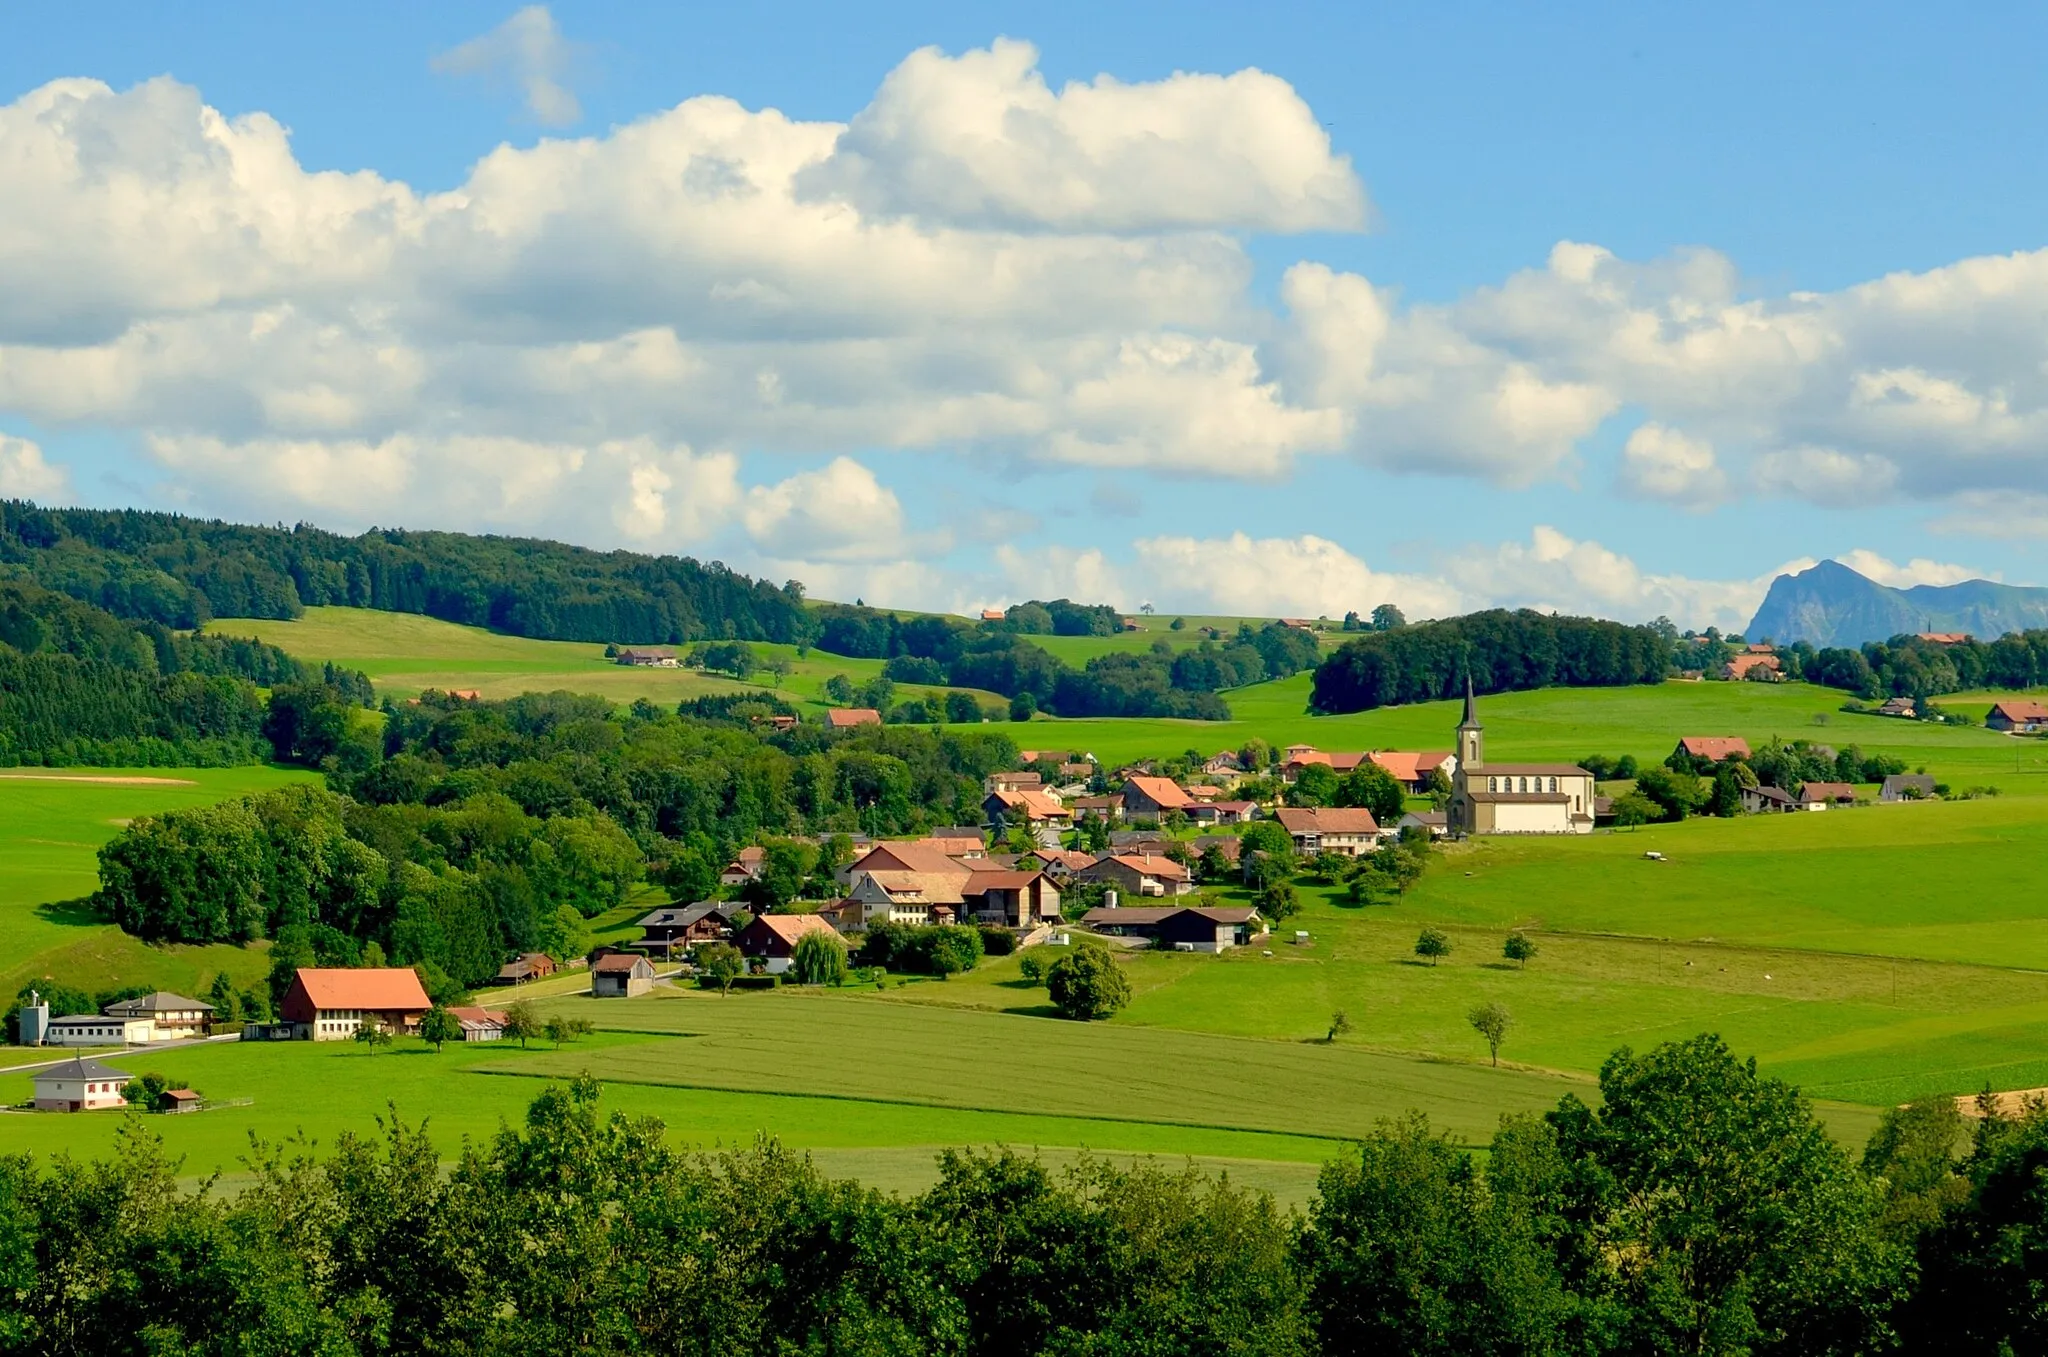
(52, 823)
(405, 654)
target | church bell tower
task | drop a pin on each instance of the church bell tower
(1471, 735)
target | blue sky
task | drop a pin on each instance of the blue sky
(948, 332)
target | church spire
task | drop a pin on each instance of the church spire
(1471, 716)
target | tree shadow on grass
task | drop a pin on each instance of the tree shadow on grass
(1498, 966)
(79, 913)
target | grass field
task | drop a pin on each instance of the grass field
(405, 654)
(52, 822)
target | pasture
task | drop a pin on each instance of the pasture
(52, 823)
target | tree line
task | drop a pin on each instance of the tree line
(1501, 651)
(180, 572)
(1696, 1208)
(1158, 681)
(476, 830)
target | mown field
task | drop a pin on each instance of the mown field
(405, 654)
(52, 823)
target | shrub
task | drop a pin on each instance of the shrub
(1088, 985)
(997, 941)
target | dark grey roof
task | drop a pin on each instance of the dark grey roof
(80, 1068)
(682, 916)
(149, 1005)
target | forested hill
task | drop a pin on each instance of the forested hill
(179, 572)
(1501, 651)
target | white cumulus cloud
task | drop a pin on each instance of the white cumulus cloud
(1919, 570)
(24, 474)
(839, 512)
(1664, 464)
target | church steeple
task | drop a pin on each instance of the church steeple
(1471, 735)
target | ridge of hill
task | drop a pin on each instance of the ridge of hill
(1833, 605)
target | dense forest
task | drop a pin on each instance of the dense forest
(180, 572)
(1907, 666)
(79, 685)
(481, 829)
(1501, 651)
(1160, 681)
(1695, 1208)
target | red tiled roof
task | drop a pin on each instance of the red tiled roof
(917, 855)
(379, 989)
(2020, 710)
(1715, 747)
(617, 962)
(1164, 868)
(1163, 791)
(1328, 820)
(846, 718)
(790, 927)
(1827, 791)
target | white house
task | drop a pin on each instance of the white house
(78, 1085)
(96, 1029)
(175, 1017)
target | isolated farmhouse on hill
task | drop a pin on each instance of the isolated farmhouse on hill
(329, 1004)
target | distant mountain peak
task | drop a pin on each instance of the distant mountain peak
(1831, 604)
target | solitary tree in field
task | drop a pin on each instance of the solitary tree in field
(438, 1025)
(560, 1029)
(1088, 985)
(1340, 1026)
(1518, 949)
(722, 962)
(372, 1033)
(1433, 944)
(1032, 969)
(521, 1023)
(1491, 1021)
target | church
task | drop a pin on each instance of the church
(1514, 798)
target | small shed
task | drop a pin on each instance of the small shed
(621, 975)
(181, 1100)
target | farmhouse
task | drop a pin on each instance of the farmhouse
(172, 1017)
(1101, 807)
(1302, 756)
(745, 866)
(679, 927)
(1514, 798)
(1906, 787)
(1943, 638)
(1222, 812)
(1897, 706)
(846, 718)
(328, 1004)
(1436, 822)
(2017, 716)
(1346, 830)
(1140, 874)
(649, 657)
(1767, 800)
(96, 1029)
(1014, 899)
(1012, 782)
(1821, 795)
(1415, 771)
(903, 855)
(1179, 928)
(78, 1085)
(1713, 748)
(773, 937)
(1741, 666)
(1229, 846)
(1152, 797)
(957, 841)
(621, 975)
(1024, 807)
(527, 966)
(899, 898)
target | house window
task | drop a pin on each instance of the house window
(1492, 784)
(1553, 784)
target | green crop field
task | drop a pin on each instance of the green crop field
(52, 822)
(405, 654)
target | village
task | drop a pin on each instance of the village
(1134, 858)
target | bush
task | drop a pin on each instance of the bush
(997, 941)
(1032, 968)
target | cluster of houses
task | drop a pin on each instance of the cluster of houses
(1812, 796)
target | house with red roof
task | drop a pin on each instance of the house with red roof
(1714, 748)
(1151, 797)
(1138, 874)
(330, 1003)
(847, 718)
(773, 937)
(1349, 830)
(2017, 716)
(1749, 662)
(1025, 807)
